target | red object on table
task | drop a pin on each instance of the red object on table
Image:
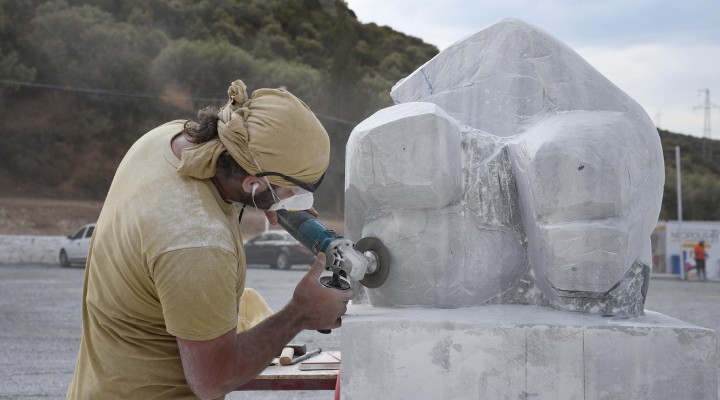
(337, 387)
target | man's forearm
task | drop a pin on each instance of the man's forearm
(216, 367)
(262, 343)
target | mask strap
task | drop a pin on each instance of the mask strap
(242, 211)
(274, 195)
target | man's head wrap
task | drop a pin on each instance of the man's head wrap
(272, 131)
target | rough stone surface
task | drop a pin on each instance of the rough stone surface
(561, 177)
(460, 209)
(589, 203)
(393, 169)
(505, 78)
(518, 352)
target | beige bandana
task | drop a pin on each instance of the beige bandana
(273, 131)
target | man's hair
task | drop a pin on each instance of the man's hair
(204, 130)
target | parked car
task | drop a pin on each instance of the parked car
(75, 250)
(277, 248)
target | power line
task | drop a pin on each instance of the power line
(124, 93)
(342, 121)
(707, 106)
(106, 92)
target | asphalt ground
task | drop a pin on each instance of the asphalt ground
(40, 324)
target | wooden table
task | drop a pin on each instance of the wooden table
(289, 377)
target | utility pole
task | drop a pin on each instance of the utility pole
(679, 210)
(707, 130)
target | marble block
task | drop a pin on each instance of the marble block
(523, 352)
(508, 171)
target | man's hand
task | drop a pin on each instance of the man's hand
(317, 306)
(217, 366)
(273, 219)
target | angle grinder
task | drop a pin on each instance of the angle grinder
(366, 261)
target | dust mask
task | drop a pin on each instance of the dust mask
(299, 201)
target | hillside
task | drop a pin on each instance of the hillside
(700, 171)
(54, 217)
(81, 80)
(44, 214)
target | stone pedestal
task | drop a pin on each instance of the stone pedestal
(523, 352)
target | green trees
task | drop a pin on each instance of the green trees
(80, 80)
(700, 177)
(13, 17)
(11, 69)
(202, 68)
(86, 47)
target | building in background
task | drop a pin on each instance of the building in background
(673, 241)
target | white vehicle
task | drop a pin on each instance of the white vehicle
(75, 251)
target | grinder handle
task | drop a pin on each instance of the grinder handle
(291, 221)
(307, 229)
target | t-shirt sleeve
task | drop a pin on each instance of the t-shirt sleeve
(197, 289)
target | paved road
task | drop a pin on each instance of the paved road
(40, 324)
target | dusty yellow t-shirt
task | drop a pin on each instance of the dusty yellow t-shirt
(166, 261)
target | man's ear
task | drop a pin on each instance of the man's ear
(250, 181)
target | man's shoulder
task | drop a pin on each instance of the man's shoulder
(153, 140)
(170, 127)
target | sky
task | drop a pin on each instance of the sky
(661, 53)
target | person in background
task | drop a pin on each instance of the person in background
(700, 256)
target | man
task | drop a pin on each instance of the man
(700, 256)
(166, 265)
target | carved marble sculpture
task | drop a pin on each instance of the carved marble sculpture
(509, 171)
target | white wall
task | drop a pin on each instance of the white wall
(30, 249)
(692, 233)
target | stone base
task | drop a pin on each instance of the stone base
(523, 352)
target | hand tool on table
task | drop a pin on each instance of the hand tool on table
(366, 261)
(305, 356)
(290, 351)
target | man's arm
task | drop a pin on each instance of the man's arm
(215, 367)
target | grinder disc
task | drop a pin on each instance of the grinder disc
(374, 245)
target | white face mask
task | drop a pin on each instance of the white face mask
(299, 201)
